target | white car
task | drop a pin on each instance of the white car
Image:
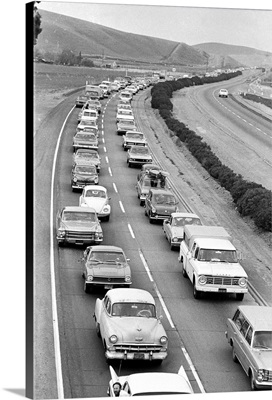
(151, 383)
(125, 95)
(96, 196)
(223, 93)
(87, 123)
(127, 322)
(124, 114)
(173, 227)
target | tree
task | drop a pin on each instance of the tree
(37, 23)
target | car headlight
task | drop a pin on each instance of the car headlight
(106, 209)
(113, 339)
(153, 209)
(163, 340)
(74, 179)
(202, 280)
(89, 278)
(96, 180)
(242, 282)
(175, 239)
(127, 278)
(61, 232)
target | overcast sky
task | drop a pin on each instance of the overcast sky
(192, 22)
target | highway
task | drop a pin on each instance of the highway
(195, 328)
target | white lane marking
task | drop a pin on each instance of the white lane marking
(103, 140)
(115, 187)
(131, 231)
(102, 132)
(105, 150)
(107, 159)
(110, 171)
(192, 367)
(121, 206)
(52, 273)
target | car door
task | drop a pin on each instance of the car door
(148, 202)
(167, 228)
(84, 260)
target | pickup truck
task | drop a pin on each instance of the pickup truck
(210, 261)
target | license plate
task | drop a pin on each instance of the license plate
(222, 290)
(108, 287)
(139, 356)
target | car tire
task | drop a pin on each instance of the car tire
(97, 328)
(61, 244)
(234, 358)
(239, 296)
(251, 379)
(184, 273)
(196, 292)
(129, 165)
(87, 288)
(151, 221)
(106, 218)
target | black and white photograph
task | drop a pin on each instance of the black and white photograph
(148, 201)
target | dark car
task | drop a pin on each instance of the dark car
(146, 167)
(81, 100)
(83, 140)
(160, 204)
(83, 175)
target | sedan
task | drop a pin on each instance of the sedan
(127, 322)
(78, 226)
(88, 122)
(149, 180)
(160, 204)
(105, 266)
(83, 140)
(223, 93)
(81, 100)
(150, 383)
(133, 138)
(173, 227)
(97, 198)
(124, 114)
(138, 155)
(83, 175)
(125, 125)
(87, 156)
(146, 167)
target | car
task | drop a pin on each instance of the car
(150, 383)
(81, 100)
(127, 322)
(94, 104)
(249, 332)
(160, 204)
(151, 178)
(83, 175)
(173, 227)
(97, 198)
(124, 105)
(124, 114)
(138, 155)
(83, 140)
(125, 125)
(87, 156)
(77, 225)
(114, 86)
(88, 114)
(105, 89)
(125, 95)
(106, 267)
(146, 167)
(87, 123)
(90, 129)
(135, 138)
(223, 93)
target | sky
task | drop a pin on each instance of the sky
(192, 22)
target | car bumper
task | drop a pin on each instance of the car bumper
(79, 241)
(139, 162)
(82, 185)
(265, 385)
(221, 289)
(109, 285)
(150, 356)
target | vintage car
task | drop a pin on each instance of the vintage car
(77, 225)
(124, 105)
(86, 122)
(83, 175)
(160, 204)
(223, 93)
(133, 138)
(106, 267)
(90, 129)
(173, 227)
(87, 156)
(146, 167)
(94, 104)
(151, 178)
(125, 95)
(249, 333)
(138, 155)
(81, 100)
(97, 198)
(88, 114)
(127, 322)
(124, 114)
(83, 140)
(125, 125)
(105, 90)
(150, 383)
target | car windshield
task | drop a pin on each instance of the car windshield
(86, 155)
(84, 98)
(140, 150)
(87, 123)
(78, 216)
(228, 256)
(91, 130)
(147, 182)
(134, 310)
(125, 112)
(262, 340)
(164, 199)
(84, 136)
(82, 169)
(181, 221)
(134, 135)
(95, 193)
(127, 122)
(111, 257)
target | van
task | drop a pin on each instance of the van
(249, 333)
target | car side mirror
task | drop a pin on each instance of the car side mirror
(128, 259)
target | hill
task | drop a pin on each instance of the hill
(248, 56)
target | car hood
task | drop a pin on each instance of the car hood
(177, 231)
(85, 176)
(79, 225)
(84, 141)
(137, 329)
(140, 156)
(263, 359)
(109, 270)
(95, 202)
(221, 269)
(165, 208)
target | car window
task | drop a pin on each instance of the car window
(95, 193)
(134, 310)
(238, 319)
(262, 339)
(249, 335)
(244, 328)
(108, 256)
(78, 216)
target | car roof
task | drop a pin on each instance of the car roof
(152, 382)
(130, 295)
(259, 316)
(107, 248)
(86, 151)
(150, 166)
(79, 209)
(184, 215)
(96, 187)
(215, 243)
